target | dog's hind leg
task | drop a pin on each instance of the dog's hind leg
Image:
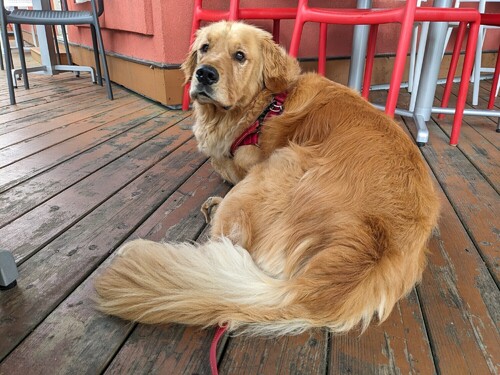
(251, 214)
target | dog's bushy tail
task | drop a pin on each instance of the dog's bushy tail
(210, 284)
(218, 283)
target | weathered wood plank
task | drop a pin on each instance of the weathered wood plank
(93, 338)
(14, 113)
(38, 89)
(482, 99)
(165, 350)
(11, 154)
(30, 194)
(474, 199)
(25, 133)
(457, 290)
(302, 354)
(459, 295)
(54, 272)
(39, 80)
(44, 101)
(28, 233)
(54, 112)
(460, 301)
(35, 164)
(397, 346)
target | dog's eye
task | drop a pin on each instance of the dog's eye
(240, 56)
(204, 48)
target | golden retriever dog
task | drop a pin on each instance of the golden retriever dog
(327, 224)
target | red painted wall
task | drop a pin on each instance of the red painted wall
(158, 30)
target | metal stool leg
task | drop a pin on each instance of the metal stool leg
(104, 63)
(66, 45)
(96, 56)
(1, 52)
(56, 46)
(66, 48)
(22, 58)
(8, 61)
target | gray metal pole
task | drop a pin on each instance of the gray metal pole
(44, 32)
(430, 73)
(431, 64)
(358, 53)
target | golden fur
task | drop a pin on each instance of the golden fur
(328, 221)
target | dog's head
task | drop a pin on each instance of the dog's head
(231, 62)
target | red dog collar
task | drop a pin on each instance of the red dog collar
(251, 135)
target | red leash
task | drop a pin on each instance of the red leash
(213, 349)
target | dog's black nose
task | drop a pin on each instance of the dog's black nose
(207, 75)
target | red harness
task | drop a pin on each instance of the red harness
(251, 135)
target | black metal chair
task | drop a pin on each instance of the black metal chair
(62, 18)
(1, 58)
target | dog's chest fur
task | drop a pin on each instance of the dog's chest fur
(211, 142)
(215, 140)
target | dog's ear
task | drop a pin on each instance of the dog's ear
(189, 64)
(280, 69)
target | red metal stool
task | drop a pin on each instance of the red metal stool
(373, 17)
(492, 19)
(235, 12)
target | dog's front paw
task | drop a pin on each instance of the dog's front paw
(209, 207)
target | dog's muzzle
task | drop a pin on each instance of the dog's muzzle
(204, 91)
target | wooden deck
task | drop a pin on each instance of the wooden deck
(80, 175)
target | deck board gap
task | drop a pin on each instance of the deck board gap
(428, 332)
